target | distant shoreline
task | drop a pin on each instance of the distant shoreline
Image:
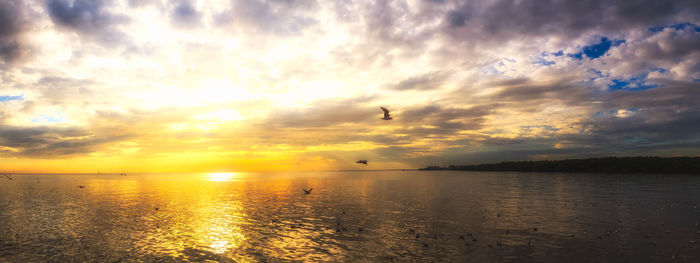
(639, 164)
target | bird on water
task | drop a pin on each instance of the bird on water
(362, 162)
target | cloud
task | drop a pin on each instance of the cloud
(58, 90)
(465, 80)
(89, 18)
(528, 94)
(184, 14)
(447, 119)
(428, 81)
(671, 52)
(12, 25)
(281, 18)
(661, 121)
(503, 19)
(80, 15)
(48, 142)
(325, 113)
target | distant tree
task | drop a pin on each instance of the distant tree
(639, 164)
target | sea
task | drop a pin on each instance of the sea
(350, 216)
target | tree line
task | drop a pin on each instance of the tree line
(639, 164)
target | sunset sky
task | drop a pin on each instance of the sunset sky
(280, 85)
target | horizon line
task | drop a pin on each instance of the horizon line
(117, 173)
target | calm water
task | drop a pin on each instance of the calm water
(240, 217)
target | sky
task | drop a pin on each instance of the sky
(296, 85)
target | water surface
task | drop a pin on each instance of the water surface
(350, 216)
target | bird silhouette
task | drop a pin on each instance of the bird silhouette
(8, 177)
(308, 191)
(387, 116)
(362, 162)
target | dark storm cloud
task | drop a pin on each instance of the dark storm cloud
(12, 48)
(47, 141)
(82, 15)
(639, 131)
(503, 18)
(185, 14)
(659, 121)
(428, 81)
(662, 50)
(676, 95)
(444, 120)
(661, 114)
(527, 95)
(88, 17)
(282, 17)
(9, 50)
(456, 19)
(487, 149)
(395, 23)
(536, 92)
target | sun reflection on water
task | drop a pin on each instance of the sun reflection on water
(196, 220)
(220, 177)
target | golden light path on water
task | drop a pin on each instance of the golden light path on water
(376, 216)
(201, 219)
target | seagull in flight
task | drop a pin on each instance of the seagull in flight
(362, 162)
(308, 191)
(386, 114)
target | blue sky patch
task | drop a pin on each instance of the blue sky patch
(543, 62)
(499, 67)
(660, 70)
(45, 118)
(8, 98)
(598, 73)
(680, 26)
(613, 112)
(597, 50)
(635, 83)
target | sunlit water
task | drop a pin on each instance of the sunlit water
(350, 216)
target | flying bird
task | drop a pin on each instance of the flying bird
(387, 116)
(308, 191)
(362, 162)
(8, 177)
